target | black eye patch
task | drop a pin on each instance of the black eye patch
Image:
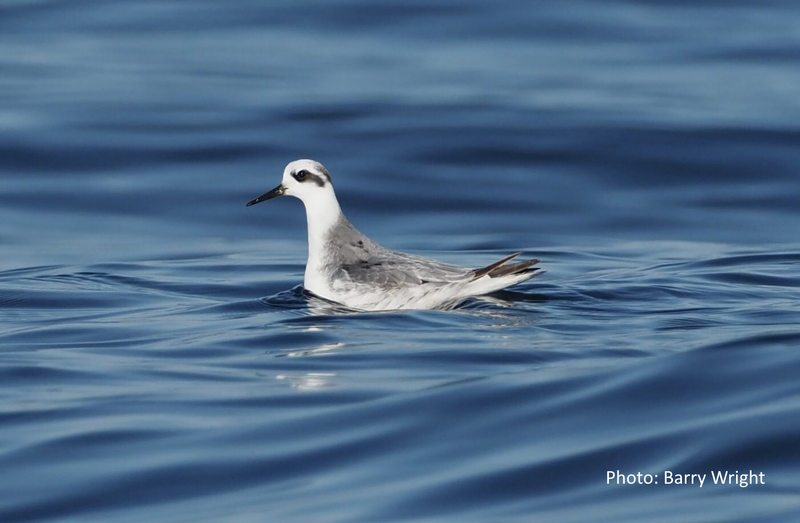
(303, 175)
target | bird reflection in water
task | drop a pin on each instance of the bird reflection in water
(309, 380)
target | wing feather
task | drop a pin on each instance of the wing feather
(479, 273)
(391, 270)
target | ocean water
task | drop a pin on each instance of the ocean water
(160, 360)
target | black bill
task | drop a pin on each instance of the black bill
(274, 193)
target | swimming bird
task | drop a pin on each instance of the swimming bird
(346, 267)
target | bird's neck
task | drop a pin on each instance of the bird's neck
(322, 213)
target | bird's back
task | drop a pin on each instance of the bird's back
(360, 261)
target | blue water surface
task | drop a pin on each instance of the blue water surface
(160, 360)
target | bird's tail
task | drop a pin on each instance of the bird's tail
(500, 268)
(500, 274)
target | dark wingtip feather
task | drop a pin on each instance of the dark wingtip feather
(479, 273)
(514, 268)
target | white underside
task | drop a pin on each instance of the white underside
(424, 296)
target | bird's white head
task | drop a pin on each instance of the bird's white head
(304, 179)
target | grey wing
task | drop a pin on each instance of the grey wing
(390, 270)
